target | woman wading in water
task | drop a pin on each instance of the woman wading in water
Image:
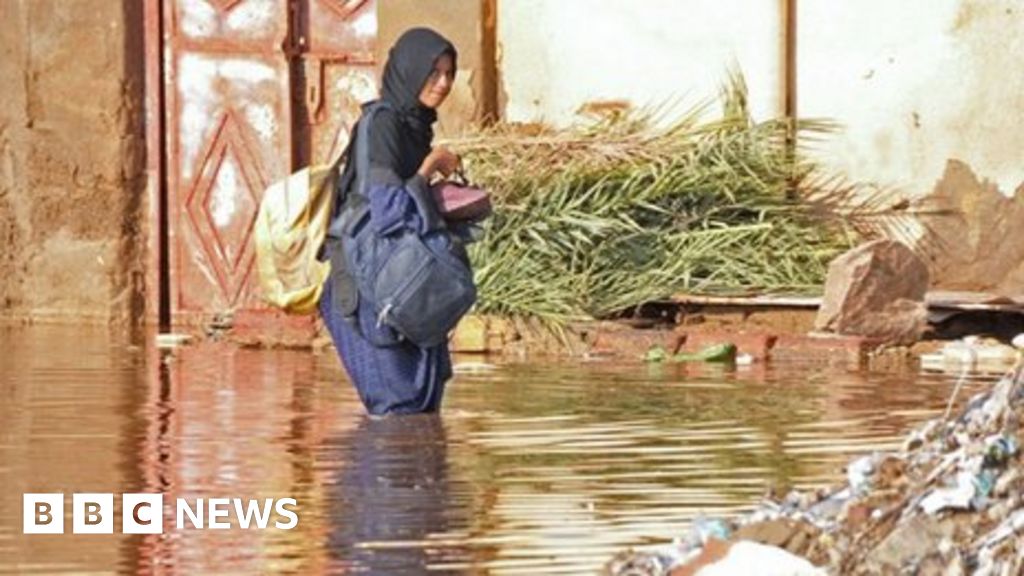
(401, 378)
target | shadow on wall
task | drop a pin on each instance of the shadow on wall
(973, 234)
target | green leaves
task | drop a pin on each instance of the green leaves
(592, 221)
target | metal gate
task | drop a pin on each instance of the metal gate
(253, 90)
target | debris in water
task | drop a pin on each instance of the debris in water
(949, 502)
(463, 367)
(172, 340)
(714, 353)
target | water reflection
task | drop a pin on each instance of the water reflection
(224, 422)
(392, 493)
(530, 469)
(62, 430)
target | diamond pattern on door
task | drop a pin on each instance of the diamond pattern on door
(236, 74)
(345, 8)
(222, 205)
(224, 5)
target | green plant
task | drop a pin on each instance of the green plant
(594, 220)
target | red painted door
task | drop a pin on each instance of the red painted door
(337, 39)
(255, 89)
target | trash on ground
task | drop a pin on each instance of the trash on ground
(950, 501)
(973, 353)
(1018, 341)
(714, 353)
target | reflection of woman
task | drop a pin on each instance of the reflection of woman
(402, 378)
(392, 486)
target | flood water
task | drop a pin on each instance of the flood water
(531, 469)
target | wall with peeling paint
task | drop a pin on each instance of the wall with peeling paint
(916, 83)
(925, 90)
(554, 57)
(71, 159)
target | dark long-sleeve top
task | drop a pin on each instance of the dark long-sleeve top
(401, 378)
(399, 196)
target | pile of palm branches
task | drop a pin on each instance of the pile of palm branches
(592, 221)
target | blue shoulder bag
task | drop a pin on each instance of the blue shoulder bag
(419, 287)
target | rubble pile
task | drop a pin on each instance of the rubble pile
(949, 502)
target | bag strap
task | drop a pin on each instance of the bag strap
(363, 145)
(333, 171)
(343, 223)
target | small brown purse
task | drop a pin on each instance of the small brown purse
(457, 199)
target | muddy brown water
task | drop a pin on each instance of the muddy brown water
(531, 469)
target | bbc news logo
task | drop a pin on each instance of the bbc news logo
(143, 513)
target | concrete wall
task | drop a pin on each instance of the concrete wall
(558, 56)
(916, 82)
(71, 159)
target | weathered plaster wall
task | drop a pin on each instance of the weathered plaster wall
(557, 56)
(916, 83)
(71, 159)
(13, 136)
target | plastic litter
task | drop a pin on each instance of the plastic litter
(754, 558)
(1012, 525)
(172, 340)
(471, 367)
(1000, 450)
(958, 497)
(1018, 341)
(714, 353)
(972, 353)
(656, 354)
(951, 501)
(858, 473)
(707, 528)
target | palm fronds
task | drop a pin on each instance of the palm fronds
(594, 220)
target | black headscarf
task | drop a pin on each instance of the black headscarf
(399, 141)
(410, 62)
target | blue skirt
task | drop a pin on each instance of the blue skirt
(399, 379)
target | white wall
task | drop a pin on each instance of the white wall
(916, 82)
(556, 55)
